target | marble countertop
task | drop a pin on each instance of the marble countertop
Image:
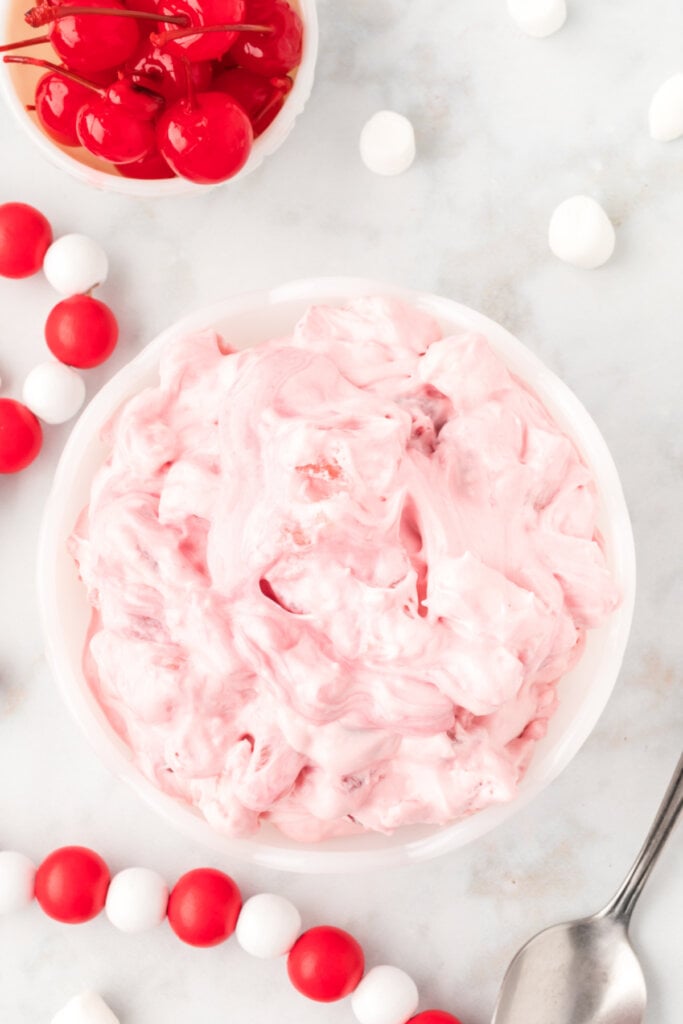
(507, 127)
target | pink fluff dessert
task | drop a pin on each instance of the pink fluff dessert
(336, 578)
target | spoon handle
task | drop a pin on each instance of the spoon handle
(621, 906)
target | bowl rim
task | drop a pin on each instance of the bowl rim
(110, 748)
(267, 143)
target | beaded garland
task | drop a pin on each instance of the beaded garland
(204, 908)
(80, 331)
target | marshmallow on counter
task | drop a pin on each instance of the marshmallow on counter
(74, 264)
(538, 18)
(53, 392)
(666, 110)
(387, 143)
(581, 233)
(88, 1008)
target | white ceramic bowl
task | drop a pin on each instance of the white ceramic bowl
(247, 320)
(95, 175)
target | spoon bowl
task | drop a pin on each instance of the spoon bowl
(574, 973)
(586, 971)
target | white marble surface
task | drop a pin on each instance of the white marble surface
(507, 126)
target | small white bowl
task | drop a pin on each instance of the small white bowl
(247, 320)
(95, 174)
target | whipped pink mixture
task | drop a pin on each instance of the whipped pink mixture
(337, 577)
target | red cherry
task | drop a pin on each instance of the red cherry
(206, 139)
(21, 436)
(434, 1017)
(166, 73)
(151, 167)
(261, 98)
(111, 133)
(71, 884)
(58, 101)
(88, 42)
(202, 13)
(325, 964)
(25, 236)
(275, 53)
(81, 331)
(136, 100)
(203, 907)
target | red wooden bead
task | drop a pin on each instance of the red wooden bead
(434, 1017)
(325, 964)
(203, 907)
(25, 236)
(21, 436)
(71, 884)
(81, 331)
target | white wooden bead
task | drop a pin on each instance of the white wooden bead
(137, 899)
(387, 143)
(386, 995)
(17, 878)
(74, 264)
(54, 392)
(268, 926)
(87, 1008)
(581, 233)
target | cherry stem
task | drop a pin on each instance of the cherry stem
(160, 39)
(274, 99)
(62, 72)
(22, 43)
(43, 14)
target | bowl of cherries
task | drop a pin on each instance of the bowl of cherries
(158, 97)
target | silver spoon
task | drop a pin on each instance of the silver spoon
(586, 972)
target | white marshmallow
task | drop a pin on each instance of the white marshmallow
(666, 110)
(74, 264)
(581, 233)
(268, 926)
(137, 899)
(54, 392)
(538, 18)
(88, 1008)
(17, 877)
(386, 995)
(387, 143)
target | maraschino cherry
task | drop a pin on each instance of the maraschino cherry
(114, 124)
(206, 137)
(276, 52)
(152, 167)
(88, 40)
(261, 98)
(110, 132)
(166, 73)
(220, 20)
(57, 102)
